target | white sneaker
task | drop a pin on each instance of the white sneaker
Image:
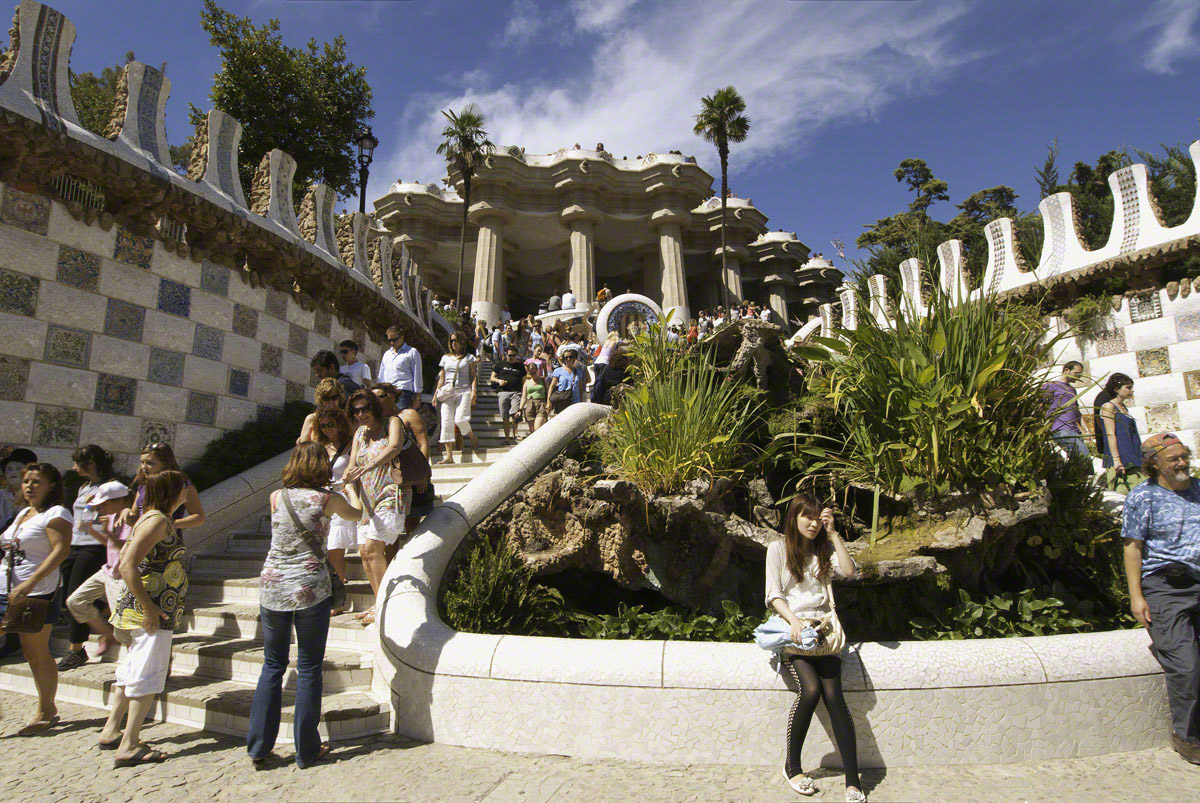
(801, 784)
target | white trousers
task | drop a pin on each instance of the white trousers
(98, 586)
(456, 411)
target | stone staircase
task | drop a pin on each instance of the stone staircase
(217, 658)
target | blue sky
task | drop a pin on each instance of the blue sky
(838, 92)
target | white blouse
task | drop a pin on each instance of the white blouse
(84, 516)
(803, 596)
(32, 546)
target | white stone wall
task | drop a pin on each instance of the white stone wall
(1153, 338)
(110, 338)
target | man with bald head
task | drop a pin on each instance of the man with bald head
(1161, 531)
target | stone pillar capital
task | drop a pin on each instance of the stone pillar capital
(733, 252)
(667, 217)
(493, 213)
(579, 213)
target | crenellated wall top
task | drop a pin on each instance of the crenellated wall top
(41, 139)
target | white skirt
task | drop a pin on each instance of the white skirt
(343, 533)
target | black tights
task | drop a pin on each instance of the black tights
(818, 678)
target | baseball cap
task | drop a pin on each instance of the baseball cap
(113, 489)
(1156, 443)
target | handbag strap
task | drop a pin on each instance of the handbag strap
(310, 538)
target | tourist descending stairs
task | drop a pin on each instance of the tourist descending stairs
(216, 660)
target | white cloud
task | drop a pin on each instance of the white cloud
(598, 15)
(802, 67)
(1171, 24)
(525, 23)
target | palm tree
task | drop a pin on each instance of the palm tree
(721, 121)
(465, 144)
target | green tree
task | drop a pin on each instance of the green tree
(722, 120)
(308, 101)
(465, 145)
(94, 95)
(1047, 175)
(1088, 186)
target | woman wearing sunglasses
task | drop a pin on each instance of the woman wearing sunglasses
(455, 396)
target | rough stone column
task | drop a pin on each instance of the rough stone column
(581, 277)
(489, 267)
(777, 301)
(670, 251)
(733, 278)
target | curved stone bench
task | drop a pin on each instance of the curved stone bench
(947, 702)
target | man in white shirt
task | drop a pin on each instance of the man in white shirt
(400, 367)
(765, 314)
(568, 300)
(360, 372)
(505, 315)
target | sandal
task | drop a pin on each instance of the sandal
(322, 752)
(113, 745)
(854, 795)
(367, 619)
(34, 728)
(801, 784)
(364, 614)
(143, 755)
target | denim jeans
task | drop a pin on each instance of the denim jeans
(404, 399)
(312, 630)
(1072, 443)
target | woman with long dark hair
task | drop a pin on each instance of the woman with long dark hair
(1122, 443)
(334, 433)
(34, 546)
(154, 458)
(798, 573)
(88, 549)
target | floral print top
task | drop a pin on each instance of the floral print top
(163, 577)
(293, 577)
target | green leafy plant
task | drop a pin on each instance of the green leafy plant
(936, 405)
(237, 451)
(1088, 314)
(682, 420)
(1002, 615)
(631, 622)
(494, 592)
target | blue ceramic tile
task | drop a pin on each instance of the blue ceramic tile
(56, 426)
(293, 391)
(239, 383)
(25, 211)
(68, 346)
(133, 249)
(245, 321)
(78, 268)
(166, 367)
(14, 378)
(272, 360)
(297, 339)
(202, 408)
(214, 278)
(124, 320)
(208, 342)
(277, 302)
(115, 394)
(18, 293)
(174, 298)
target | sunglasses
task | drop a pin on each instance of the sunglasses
(394, 339)
(360, 410)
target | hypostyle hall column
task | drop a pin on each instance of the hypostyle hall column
(488, 286)
(777, 301)
(581, 276)
(670, 252)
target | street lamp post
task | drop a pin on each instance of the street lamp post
(366, 149)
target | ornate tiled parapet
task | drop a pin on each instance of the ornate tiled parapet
(37, 85)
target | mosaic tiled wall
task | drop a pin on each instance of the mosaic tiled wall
(109, 338)
(1154, 338)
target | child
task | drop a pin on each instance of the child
(360, 372)
(798, 573)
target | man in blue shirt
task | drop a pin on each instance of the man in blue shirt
(1161, 530)
(401, 368)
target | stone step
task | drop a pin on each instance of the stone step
(227, 620)
(249, 564)
(205, 703)
(204, 587)
(242, 659)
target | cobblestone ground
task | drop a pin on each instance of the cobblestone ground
(65, 764)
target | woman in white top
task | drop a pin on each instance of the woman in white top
(457, 374)
(798, 572)
(334, 433)
(35, 545)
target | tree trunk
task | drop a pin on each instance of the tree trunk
(723, 151)
(462, 240)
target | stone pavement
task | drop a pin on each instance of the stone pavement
(65, 764)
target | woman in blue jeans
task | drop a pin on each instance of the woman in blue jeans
(294, 591)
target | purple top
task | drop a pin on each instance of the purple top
(1063, 406)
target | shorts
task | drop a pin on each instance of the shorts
(55, 610)
(343, 533)
(144, 668)
(534, 408)
(509, 401)
(386, 522)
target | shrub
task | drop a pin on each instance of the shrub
(947, 403)
(682, 420)
(494, 592)
(630, 622)
(237, 451)
(1088, 314)
(1002, 615)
